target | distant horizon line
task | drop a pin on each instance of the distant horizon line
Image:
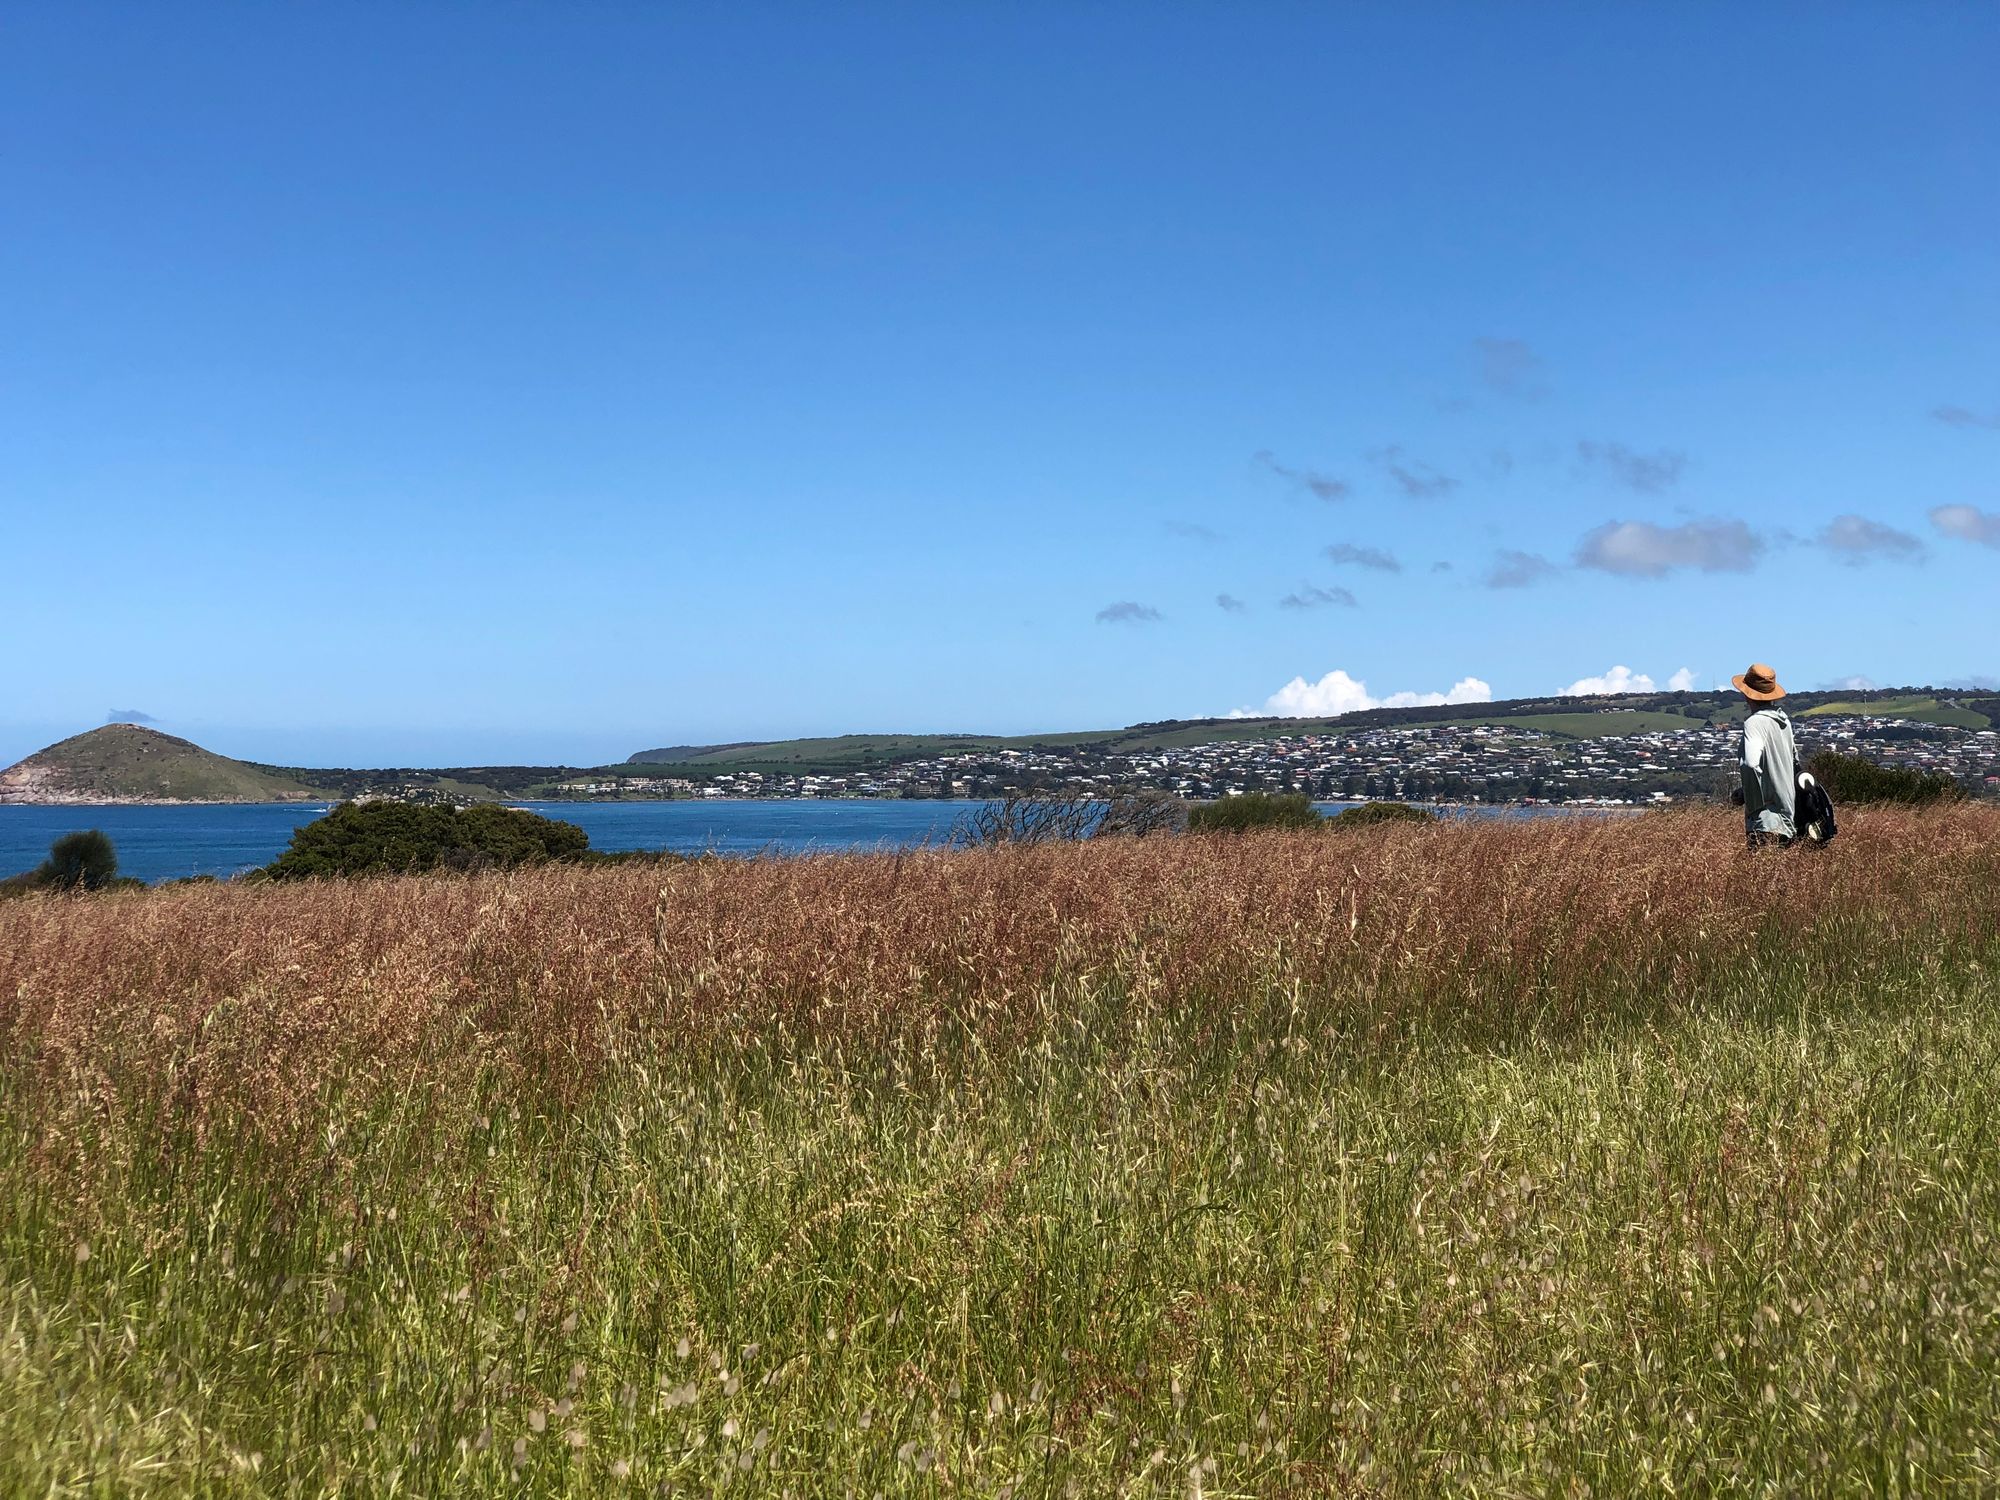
(158, 725)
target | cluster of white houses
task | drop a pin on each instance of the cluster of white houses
(1441, 762)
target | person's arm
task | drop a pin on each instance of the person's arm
(1754, 744)
(1750, 771)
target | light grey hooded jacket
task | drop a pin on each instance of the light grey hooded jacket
(1770, 773)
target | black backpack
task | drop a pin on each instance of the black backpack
(1813, 816)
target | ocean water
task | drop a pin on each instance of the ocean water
(159, 843)
(164, 843)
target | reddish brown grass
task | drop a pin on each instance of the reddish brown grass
(248, 1002)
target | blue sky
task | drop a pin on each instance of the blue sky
(441, 383)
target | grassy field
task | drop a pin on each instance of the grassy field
(1918, 709)
(1593, 726)
(1572, 1157)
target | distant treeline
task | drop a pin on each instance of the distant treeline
(505, 781)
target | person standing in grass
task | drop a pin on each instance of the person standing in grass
(1769, 763)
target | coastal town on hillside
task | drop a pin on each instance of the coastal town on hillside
(1418, 762)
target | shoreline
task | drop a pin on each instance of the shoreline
(520, 802)
(163, 802)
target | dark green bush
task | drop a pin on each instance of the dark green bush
(397, 838)
(1254, 810)
(1850, 779)
(1382, 812)
(81, 861)
(85, 861)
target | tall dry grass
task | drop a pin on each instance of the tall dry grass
(1497, 1157)
(252, 1000)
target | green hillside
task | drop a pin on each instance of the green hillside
(1576, 724)
(860, 751)
(850, 752)
(1919, 710)
(1563, 718)
(1593, 726)
(129, 763)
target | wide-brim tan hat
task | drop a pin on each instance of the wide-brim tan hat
(1760, 683)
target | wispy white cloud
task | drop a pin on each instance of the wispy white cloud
(1682, 681)
(1649, 473)
(1856, 540)
(1967, 523)
(1312, 481)
(1518, 570)
(1312, 596)
(1412, 477)
(1346, 554)
(1128, 612)
(1640, 549)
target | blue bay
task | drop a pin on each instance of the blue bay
(164, 843)
(169, 842)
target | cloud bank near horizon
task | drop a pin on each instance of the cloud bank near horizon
(1622, 679)
(1337, 693)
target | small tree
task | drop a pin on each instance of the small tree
(1137, 814)
(1023, 819)
(83, 861)
(401, 838)
(1065, 818)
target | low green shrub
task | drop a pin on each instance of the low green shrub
(1255, 810)
(400, 838)
(1382, 812)
(1855, 779)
